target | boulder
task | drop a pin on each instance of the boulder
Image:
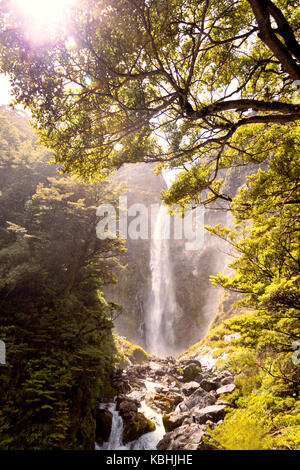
(189, 388)
(166, 403)
(227, 380)
(187, 437)
(212, 413)
(136, 427)
(149, 397)
(103, 425)
(174, 420)
(190, 372)
(199, 398)
(208, 385)
(229, 388)
(190, 361)
(127, 407)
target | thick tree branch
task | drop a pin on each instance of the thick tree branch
(262, 10)
(245, 104)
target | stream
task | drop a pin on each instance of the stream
(184, 398)
(147, 441)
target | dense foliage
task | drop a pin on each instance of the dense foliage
(54, 319)
(175, 82)
(267, 255)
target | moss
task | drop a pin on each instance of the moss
(129, 353)
(136, 427)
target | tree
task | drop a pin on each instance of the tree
(266, 263)
(54, 318)
(179, 83)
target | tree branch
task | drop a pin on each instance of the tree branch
(262, 10)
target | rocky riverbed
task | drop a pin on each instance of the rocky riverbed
(164, 404)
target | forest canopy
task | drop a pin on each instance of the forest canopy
(188, 84)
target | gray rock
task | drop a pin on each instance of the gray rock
(174, 420)
(227, 380)
(190, 361)
(229, 388)
(136, 395)
(208, 385)
(212, 413)
(189, 388)
(187, 437)
(127, 407)
(200, 398)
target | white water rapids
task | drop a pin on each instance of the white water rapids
(162, 308)
(147, 441)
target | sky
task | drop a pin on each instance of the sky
(4, 90)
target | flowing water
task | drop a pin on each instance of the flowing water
(147, 441)
(162, 303)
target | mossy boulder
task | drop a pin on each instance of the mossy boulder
(136, 427)
(166, 403)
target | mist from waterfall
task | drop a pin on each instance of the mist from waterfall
(162, 307)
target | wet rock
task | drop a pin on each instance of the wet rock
(212, 413)
(229, 388)
(136, 427)
(188, 437)
(127, 407)
(103, 425)
(189, 388)
(174, 420)
(119, 381)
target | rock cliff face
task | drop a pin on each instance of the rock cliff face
(197, 301)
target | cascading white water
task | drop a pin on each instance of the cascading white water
(115, 438)
(162, 308)
(147, 441)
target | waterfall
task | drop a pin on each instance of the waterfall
(159, 322)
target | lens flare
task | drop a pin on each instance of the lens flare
(41, 19)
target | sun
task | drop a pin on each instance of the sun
(43, 15)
